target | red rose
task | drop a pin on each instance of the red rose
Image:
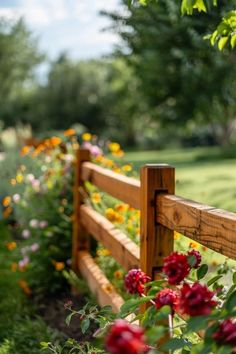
(196, 300)
(166, 297)
(176, 267)
(198, 258)
(135, 280)
(226, 333)
(124, 338)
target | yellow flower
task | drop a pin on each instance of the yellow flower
(119, 218)
(118, 274)
(214, 263)
(6, 201)
(193, 244)
(7, 212)
(24, 286)
(86, 136)
(108, 163)
(69, 132)
(116, 169)
(176, 235)
(14, 267)
(13, 181)
(103, 252)
(19, 178)
(114, 147)
(127, 168)
(110, 214)
(96, 198)
(11, 245)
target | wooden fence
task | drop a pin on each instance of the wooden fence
(162, 213)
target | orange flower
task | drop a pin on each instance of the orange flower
(119, 153)
(55, 141)
(193, 244)
(121, 207)
(11, 245)
(69, 132)
(24, 286)
(25, 150)
(96, 198)
(6, 201)
(14, 267)
(7, 212)
(58, 265)
(118, 274)
(108, 288)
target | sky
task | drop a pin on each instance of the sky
(74, 26)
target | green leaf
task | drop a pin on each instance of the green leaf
(68, 318)
(191, 261)
(196, 323)
(222, 42)
(234, 278)
(233, 40)
(85, 325)
(231, 302)
(175, 343)
(155, 333)
(214, 279)
(132, 304)
(44, 344)
(202, 271)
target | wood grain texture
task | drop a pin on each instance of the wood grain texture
(156, 239)
(98, 283)
(79, 236)
(121, 187)
(213, 228)
(124, 250)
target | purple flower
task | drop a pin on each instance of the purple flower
(34, 223)
(34, 247)
(26, 234)
(43, 224)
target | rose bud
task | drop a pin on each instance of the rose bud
(135, 280)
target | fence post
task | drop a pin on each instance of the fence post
(80, 238)
(157, 241)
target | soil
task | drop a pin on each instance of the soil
(54, 314)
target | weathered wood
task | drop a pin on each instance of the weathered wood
(98, 283)
(156, 239)
(213, 228)
(79, 235)
(121, 187)
(124, 250)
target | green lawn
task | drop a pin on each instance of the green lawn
(206, 175)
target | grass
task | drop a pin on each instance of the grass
(206, 175)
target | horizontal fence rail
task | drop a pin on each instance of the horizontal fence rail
(211, 227)
(162, 213)
(121, 187)
(125, 251)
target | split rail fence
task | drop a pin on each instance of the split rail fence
(162, 213)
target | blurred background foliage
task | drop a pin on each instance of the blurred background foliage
(164, 85)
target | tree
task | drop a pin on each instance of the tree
(226, 29)
(18, 60)
(184, 81)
